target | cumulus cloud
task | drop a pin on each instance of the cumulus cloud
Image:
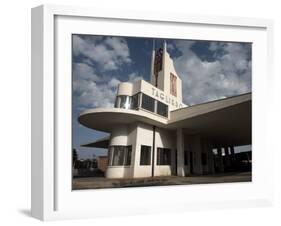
(84, 71)
(133, 77)
(109, 53)
(92, 90)
(96, 58)
(228, 73)
(90, 94)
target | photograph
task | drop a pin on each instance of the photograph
(150, 111)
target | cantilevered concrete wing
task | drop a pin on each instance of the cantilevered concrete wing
(227, 121)
(100, 143)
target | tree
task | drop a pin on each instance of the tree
(74, 156)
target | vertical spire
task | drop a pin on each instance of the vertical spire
(164, 69)
(165, 46)
(152, 76)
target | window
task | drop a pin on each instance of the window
(135, 101)
(125, 102)
(117, 102)
(162, 109)
(145, 155)
(204, 158)
(163, 156)
(147, 103)
(128, 156)
(120, 155)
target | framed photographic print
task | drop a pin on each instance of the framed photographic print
(137, 112)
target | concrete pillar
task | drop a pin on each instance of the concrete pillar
(180, 154)
(220, 161)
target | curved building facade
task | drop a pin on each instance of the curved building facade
(153, 133)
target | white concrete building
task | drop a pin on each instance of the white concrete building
(153, 133)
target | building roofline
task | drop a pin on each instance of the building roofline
(204, 103)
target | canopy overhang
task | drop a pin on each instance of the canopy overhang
(226, 121)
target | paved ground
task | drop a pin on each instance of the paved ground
(100, 182)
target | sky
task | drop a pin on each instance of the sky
(210, 70)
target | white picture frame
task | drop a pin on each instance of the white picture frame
(52, 197)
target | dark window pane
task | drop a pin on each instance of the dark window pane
(148, 103)
(117, 102)
(118, 155)
(145, 155)
(128, 155)
(162, 109)
(135, 101)
(125, 102)
(163, 156)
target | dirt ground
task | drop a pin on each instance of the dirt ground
(101, 182)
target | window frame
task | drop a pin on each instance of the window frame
(127, 151)
(169, 159)
(142, 102)
(148, 163)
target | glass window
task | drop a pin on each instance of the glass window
(163, 156)
(135, 101)
(162, 109)
(128, 155)
(117, 102)
(148, 103)
(145, 157)
(121, 155)
(125, 102)
(118, 155)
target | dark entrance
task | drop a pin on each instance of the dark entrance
(191, 162)
(176, 163)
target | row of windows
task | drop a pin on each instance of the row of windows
(127, 102)
(121, 155)
(163, 156)
(147, 103)
(153, 105)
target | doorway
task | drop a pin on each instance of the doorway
(191, 162)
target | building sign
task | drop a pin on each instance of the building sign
(166, 98)
(158, 64)
(173, 84)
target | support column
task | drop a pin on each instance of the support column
(180, 152)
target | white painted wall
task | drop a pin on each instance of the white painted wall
(142, 134)
(121, 135)
(125, 88)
